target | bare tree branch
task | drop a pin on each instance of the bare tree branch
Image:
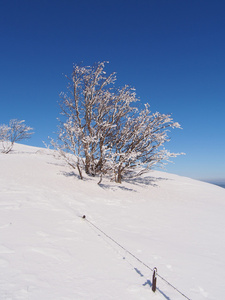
(14, 132)
(105, 131)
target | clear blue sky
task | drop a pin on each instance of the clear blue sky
(171, 51)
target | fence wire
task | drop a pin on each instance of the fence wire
(134, 256)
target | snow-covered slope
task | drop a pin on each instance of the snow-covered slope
(47, 251)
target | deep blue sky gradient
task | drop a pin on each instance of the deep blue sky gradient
(172, 52)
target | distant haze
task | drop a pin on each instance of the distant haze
(219, 182)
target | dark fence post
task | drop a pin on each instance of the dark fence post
(154, 278)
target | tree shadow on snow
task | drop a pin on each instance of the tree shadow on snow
(73, 174)
(115, 187)
(139, 181)
(149, 283)
(148, 180)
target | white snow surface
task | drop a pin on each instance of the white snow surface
(48, 251)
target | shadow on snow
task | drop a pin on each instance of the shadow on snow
(148, 282)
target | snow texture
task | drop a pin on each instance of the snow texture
(48, 251)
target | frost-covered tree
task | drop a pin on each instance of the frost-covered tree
(4, 138)
(105, 131)
(14, 132)
(139, 143)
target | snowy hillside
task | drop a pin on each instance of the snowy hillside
(48, 251)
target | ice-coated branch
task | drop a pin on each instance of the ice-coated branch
(105, 131)
(16, 131)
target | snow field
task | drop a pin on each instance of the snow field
(47, 251)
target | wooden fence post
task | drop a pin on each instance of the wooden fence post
(154, 278)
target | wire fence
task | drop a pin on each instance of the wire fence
(135, 257)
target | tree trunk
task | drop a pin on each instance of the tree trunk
(80, 173)
(87, 160)
(119, 176)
